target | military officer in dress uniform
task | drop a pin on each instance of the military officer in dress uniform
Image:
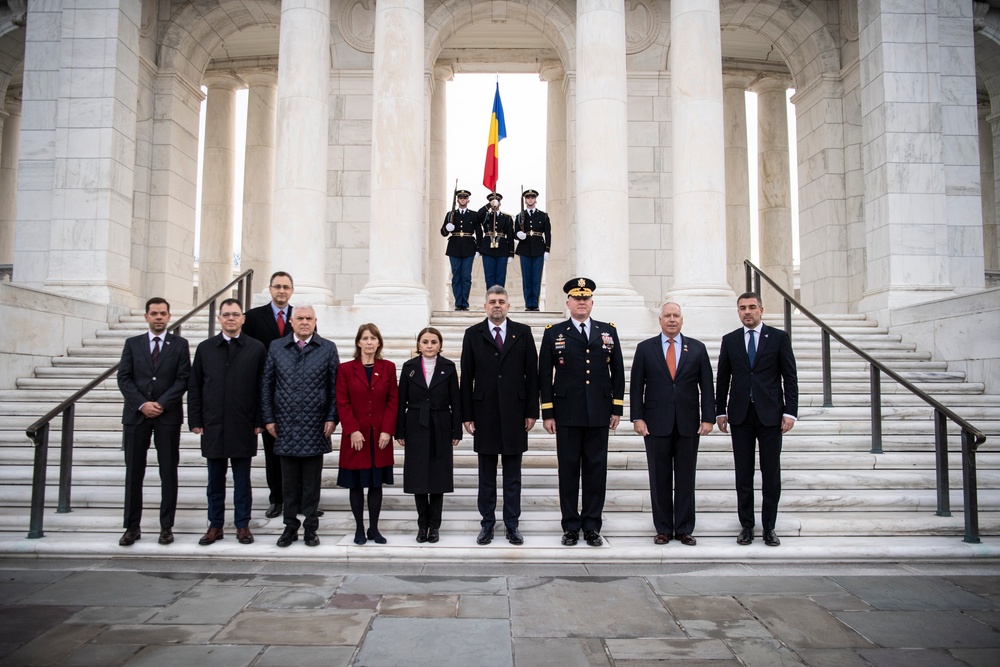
(464, 231)
(497, 246)
(582, 389)
(534, 233)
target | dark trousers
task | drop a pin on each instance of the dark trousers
(495, 270)
(745, 438)
(531, 279)
(429, 509)
(461, 279)
(672, 460)
(167, 440)
(242, 495)
(582, 452)
(272, 469)
(511, 489)
(302, 477)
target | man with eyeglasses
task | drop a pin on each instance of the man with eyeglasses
(267, 324)
(224, 409)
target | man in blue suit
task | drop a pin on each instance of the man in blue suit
(757, 393)
(670, 373)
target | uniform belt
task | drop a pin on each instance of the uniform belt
(462, 234)
(494, 234)
(536, 234)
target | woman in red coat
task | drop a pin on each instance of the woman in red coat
(366, 403)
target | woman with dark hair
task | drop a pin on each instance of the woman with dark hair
(429, 426)
(366, 403)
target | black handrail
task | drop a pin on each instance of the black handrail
(38, 432)
(972, 437)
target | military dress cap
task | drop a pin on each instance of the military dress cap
(463, 193)
(494, 195)
(580, 287)
(530, 193)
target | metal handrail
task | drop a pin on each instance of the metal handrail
(972, 437)
(38, 432)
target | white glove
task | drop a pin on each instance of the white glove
(450, 227)
(477, 256)
(546, 256)
(521, 236)
(510, 259)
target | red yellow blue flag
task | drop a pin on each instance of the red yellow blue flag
(498, 131)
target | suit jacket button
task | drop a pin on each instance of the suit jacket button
(154, 378)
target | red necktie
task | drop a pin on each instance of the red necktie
(671, 359)
(281, 323)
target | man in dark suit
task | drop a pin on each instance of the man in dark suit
(534, 232)
(757, 394)
(224, 409)
(669, 374)
(500, 405)
(267, 324)
(497, 246)
(153, 376)
(581, 404)
(464, 233)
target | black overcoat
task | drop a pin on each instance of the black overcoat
(499, 388)
(224, 395)
(425, 412)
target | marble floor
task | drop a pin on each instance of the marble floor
(219, 611)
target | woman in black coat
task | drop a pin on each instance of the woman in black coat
(429, 426)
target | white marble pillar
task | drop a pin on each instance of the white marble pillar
(699, 159)
(440, 191)
(989, 151)
(774, 192)
(734, 109)
(395, 271)
(215, 254)
(601, 225)
(301, 149)
(556, 188)
(9, 146)
(258, 175)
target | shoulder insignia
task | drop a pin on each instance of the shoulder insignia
(548, 326)
(612, 324)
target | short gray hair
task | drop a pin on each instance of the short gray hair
(496, 289)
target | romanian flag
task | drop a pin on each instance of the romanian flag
(498, 131)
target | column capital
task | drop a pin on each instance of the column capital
(443, 72)
(264, 76)
(222, 81)
(552, 71)
(739, 79)
(770, 83)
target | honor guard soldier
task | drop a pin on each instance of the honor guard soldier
(461, 226)
(582, 389)
(497, 246)
(534, 233)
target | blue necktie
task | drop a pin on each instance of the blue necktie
(752, 348)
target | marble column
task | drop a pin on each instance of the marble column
(439, 199)
(734, 109)
(699, 159)
(215, 254)
(774, 192)
(556, 188)
(9, 146)
(301, 152)
(395, 271)
(258, 175)
(601, 225)
(989, 151)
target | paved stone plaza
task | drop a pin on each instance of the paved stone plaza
(233, 613)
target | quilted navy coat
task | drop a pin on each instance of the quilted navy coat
(298, 394)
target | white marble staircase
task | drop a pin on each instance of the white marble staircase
(836, 495)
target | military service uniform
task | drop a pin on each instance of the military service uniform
(463, 241)
(582, 384)
(497, 245)
(535, 234)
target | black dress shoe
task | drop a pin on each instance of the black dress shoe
(570, 538)
(513, 535)
(593, 538)
(359, 536)
(130, 536)
(375, 536)
(688, 539)
(485, 536)
(770, 539)
(746, 536)
(312, 539)
(273, 510)
(421, 535)
(320, 512)
(433, 535)
(166, 536)
(287, 537)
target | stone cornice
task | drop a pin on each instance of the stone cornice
(827, 85)
(264, 63)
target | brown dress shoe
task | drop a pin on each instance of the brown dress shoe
(244, 536)
(688, 540)
(166, 536)
(211, 536)
(129, 538)
(661, 538)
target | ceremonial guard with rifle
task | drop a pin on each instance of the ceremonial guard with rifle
(497, 245)
(534, 233)
(464, 231)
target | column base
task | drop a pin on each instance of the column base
(310, 294)
(879, 303)
(709, 310)
(395, 308)
(624, 307)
